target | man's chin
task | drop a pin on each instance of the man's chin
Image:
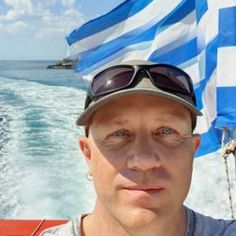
(139, 218)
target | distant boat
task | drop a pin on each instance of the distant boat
(64, 64)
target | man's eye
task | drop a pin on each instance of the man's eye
(120, 133)
(165, 131)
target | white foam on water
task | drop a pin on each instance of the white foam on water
(49, 171)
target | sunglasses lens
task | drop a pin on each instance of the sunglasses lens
(112, 80)
(170, 78)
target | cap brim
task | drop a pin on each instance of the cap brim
(85, 118)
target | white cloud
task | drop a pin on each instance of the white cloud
(59, 24)
(17, 27)
(38, 18)
(19, 8)
(67, 3)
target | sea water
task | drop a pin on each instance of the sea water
(42, 171)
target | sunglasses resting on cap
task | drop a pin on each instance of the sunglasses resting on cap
(138, 77)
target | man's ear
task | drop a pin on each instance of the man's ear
(196, 142)
(85, 148)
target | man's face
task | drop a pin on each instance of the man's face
(140, 153)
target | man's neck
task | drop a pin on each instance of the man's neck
(103, 224)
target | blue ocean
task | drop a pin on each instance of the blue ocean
(42, 171)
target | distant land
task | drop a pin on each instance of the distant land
(65, 63)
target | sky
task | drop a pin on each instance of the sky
(36, 29)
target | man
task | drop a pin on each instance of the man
(139, 146)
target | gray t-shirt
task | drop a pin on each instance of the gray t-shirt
(198, 225)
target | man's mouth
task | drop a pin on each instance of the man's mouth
(148, 189)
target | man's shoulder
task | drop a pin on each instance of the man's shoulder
(204, 225)
(71, 228)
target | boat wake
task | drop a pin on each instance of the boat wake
(8, 174)
(42, 173)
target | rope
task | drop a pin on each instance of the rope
(38, 227)
(226, 142)
(234, 152)
(228, 147)
(229, 188)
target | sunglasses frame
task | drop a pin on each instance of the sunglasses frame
(136, 79)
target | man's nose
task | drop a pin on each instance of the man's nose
(144, 155)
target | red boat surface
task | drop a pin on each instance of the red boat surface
(26, 227)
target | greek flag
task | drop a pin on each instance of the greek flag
(197, 35)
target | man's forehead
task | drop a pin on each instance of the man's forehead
(130, 119)
(123, 111)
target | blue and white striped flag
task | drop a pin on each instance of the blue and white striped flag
(197, 35)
